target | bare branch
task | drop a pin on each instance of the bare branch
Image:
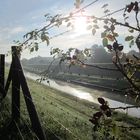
(127, 107)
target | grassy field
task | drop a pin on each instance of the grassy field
(62, 116)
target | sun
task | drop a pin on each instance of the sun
(80, 25)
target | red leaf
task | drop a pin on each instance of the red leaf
(130, 7)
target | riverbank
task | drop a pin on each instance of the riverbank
(64, 116)
(87, 91)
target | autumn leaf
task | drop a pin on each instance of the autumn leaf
(110, 37)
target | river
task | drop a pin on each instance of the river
(88, 94)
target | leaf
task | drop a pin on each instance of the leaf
(46, 15)
(96, 26)
(69, 24)
(110, 37)
(131, 43)
(32, 49)
(93, 31)
(67, 19)
(106, 11)
(44, 37)
(101, 100)
(108, 113)
(126, 23)
(138, 41)
(120, 47)
(105, 42)
(131, 30)
(103, 35)
(106, 27)
(130, 7)
(74, 57)
(115, 45)
(109, 47)
(104, 107)
(95, 21)
(115, 34)
(113, 20)
(112, 27)
(89, 27)
(48, 42)
(106, 21)
(97, 115)
(105, 5)
(136, 8)
(36, 46)
(129, 38)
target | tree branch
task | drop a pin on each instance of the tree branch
(96, 66)
(127, 107)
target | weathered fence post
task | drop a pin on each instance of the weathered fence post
(18, 79)
(29, 103)
(15, 87)
(2, 73)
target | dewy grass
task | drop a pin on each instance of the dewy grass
(62, 116)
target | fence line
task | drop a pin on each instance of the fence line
(17, 77)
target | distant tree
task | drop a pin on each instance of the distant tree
(100, 55)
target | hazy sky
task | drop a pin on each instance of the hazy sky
(18, 17)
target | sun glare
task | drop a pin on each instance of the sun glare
(80, 25)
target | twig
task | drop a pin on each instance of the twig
(127, 107)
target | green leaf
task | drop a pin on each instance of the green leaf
(44, 37)
(112, 27)
(106, 27)
(36, 46)
(106, 21)
(105, 42)
(95, 21)
(32, 49)
(69, 24)
(66, 20)
(131, 43)
(131, 30)
(93, 31)
(103, 35)
(105, 5)
(106, 11)
(115, 34)
(89, 27)
(129, 38)
(96, 26)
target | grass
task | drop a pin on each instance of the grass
(62, 116)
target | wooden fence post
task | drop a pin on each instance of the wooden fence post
(29, 103)
(2, 73)
(15, 87)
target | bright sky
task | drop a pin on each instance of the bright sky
(21, 16)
